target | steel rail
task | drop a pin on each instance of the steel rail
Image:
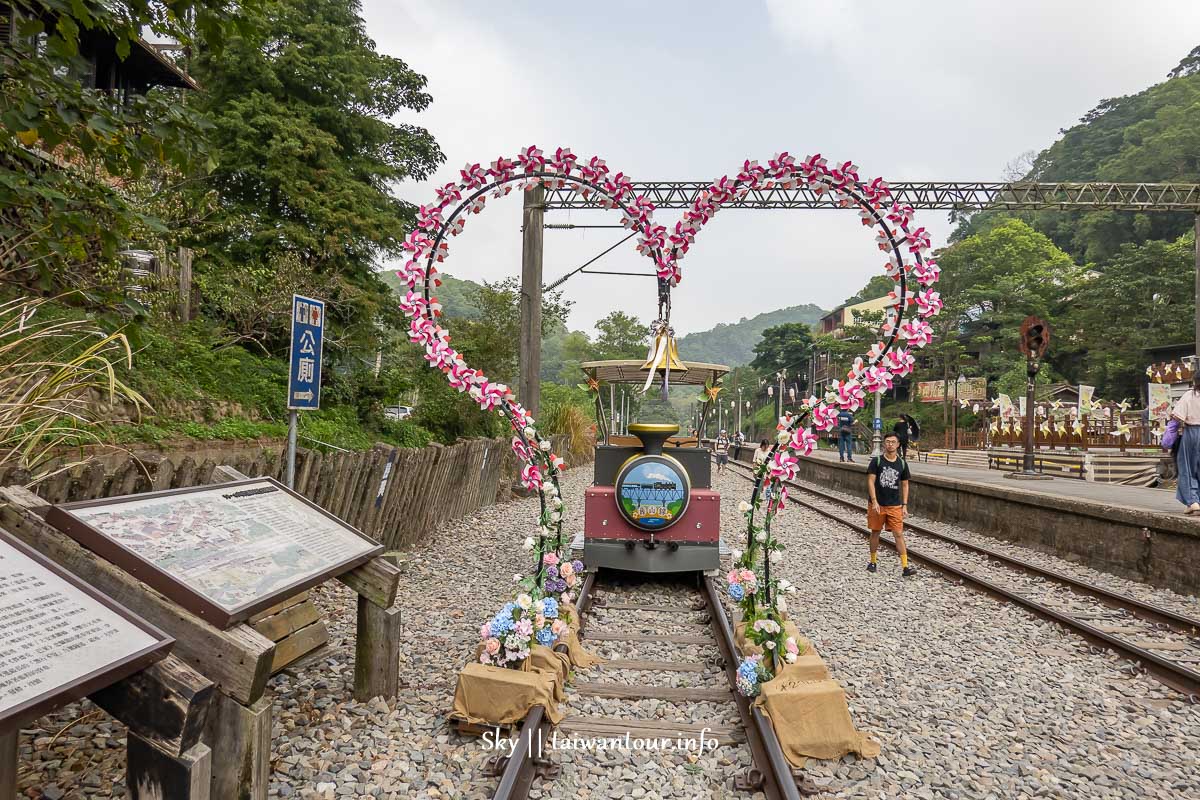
(774, 771)
(1170, 673)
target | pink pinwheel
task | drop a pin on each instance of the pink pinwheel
(413, 304)
(429, 219)
(900, 215)
(594, 169)
(440, 354)
(918, 241)
(521, 449)
(929, 303)
(813, 166)
(777, 502)
(502, 168)
(557, 463)
(531, 159)
(782, 466)
(849, 394)
(785, 422)
(531, 477)
(918, 332)
(563, 161)
(877, 379)
(824, 417)
(462, 377)
(473, 176)
(899, 362)
(803, 441)
(450, 193)
(926, 273)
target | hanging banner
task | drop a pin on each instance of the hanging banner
(1159, 401)
(1006, 407)
(1021, 405)
(1086, 405)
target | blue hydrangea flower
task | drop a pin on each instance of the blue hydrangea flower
(545, 637)
(550, 608)
(737, 591)
(502, 623)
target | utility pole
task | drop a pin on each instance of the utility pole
(739, 416)
(779, 376)
(533, 212)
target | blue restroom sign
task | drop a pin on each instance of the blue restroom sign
(304, 377)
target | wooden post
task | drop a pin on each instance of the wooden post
(240, 738)
(8, 765)
(165, 705)
(532, 213)
(377, 652)
(151, 774)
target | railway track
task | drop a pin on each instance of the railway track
(633, 611)
(1158, 640)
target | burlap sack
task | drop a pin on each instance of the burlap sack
(748, 648)
(811, 720)
(494, 696)
(580, 658)
(556, 665)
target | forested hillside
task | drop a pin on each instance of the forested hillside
(732, 343)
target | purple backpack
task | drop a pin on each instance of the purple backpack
(1170, 435)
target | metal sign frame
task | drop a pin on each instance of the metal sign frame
(54, 698)
(63, 518)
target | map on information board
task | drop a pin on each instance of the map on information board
(223, 551)
(59, 639)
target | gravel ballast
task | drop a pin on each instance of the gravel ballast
(968, 696)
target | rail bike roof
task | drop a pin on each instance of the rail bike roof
(629, 370)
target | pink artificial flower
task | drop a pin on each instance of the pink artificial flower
(550, 559)
(485, 632)
(558, 627)
(566, 570)
(523, 628)
(733, 577)
(492, 646)
(791, 646)
(571, 580)
(539, 621)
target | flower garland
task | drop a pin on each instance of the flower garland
(751, 585)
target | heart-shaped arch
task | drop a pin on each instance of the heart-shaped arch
(907, 247)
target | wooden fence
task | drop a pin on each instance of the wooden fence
(392, 494)
(1096, 433)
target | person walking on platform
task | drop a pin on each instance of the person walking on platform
(721, 451)
(760, 458)
(887, 493)
(1187, 462)
(845, 422)
(739, 439)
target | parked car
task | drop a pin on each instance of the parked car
(398, 412)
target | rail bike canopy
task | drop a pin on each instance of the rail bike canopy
(632, 370)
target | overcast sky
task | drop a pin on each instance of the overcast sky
(918, 90)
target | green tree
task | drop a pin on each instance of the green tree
(877, 286)
(491, 342)
(65, 146)
(620, 335)
(300, 111)
(783, 347)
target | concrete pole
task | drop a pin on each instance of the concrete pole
(290, 474)
(739, 422)
(877, 426)
(532, 213)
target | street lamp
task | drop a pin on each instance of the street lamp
(961, 380)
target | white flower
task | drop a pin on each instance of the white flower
(557, 502)
(760, 537)
(784, 583)
(781, 605)
(528, 543)
(783, 437)
(736, 555)
(529, 432)
(544, 530)
(524, 601)
(517, 577)
(769, 644)
(556, 516)
(545, 445)
(743, 506)
(776, 556)
(791, 658)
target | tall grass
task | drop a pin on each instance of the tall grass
(568, 419)
(51, 370)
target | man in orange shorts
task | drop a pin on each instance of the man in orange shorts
(887, 490)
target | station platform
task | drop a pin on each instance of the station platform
(1159, 501)
(1138, 533)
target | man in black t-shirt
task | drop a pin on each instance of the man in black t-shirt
(887, 493)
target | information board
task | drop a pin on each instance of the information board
(224, 552)
(60, 640)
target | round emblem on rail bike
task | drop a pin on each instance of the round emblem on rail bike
(652, 492)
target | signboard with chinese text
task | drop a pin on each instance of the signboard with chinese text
(972, 389)
(61, 640)
(223, 552)
(304, 377)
